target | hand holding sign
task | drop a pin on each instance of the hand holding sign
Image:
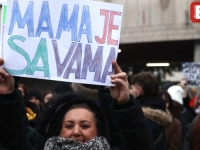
(120, 92)
(6, 81)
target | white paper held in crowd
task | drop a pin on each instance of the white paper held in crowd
(63, 40)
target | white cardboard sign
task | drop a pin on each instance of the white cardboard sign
(65, 40)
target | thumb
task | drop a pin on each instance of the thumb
(1, 61)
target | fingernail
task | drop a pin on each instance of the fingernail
(7, 74)
(112, 80)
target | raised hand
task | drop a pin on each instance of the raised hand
(120, 92)
(6, 81)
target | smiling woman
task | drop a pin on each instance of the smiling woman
(79, 122)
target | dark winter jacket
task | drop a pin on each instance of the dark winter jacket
(185, 118)
(187, 140)
(35, 123)
(124, 122)
(133, 125)
(15, 134)
(158, 119)
(106, 103)
(173, 135)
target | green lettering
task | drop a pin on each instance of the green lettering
(40, 53)
(21, 51)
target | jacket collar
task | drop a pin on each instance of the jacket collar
(163, 118)
(153, 102)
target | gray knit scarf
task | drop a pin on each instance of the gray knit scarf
(60, 143)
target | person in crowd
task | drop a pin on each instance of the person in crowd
(192, 137)
(183, 115)
(189, 96)
(76, 122)
(34, 96)
(193, 97)
(183, 83)
(197, 105)
(23, 90)
(173, 133)
(144, 87)
(47, 95)
(81, 125)
(34, 113)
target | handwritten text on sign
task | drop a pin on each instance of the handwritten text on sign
(191, 71)
(63, 40)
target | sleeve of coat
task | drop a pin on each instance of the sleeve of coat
(14, 130)
(186, 142)
(133, 125)
(106, 103)
(176, 141)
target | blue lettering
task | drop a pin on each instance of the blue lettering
(85, 20)
(27, 19)
(44, 16)
(65, 25)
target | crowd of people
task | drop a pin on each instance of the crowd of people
(135, 114)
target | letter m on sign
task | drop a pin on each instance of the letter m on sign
(27, 19)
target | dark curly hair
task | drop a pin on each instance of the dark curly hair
(148, 82)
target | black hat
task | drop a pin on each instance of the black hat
(34, 93)
(167, 85)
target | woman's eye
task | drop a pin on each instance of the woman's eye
(85, 126)
(68, 126)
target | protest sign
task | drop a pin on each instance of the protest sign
(191, 71)
(63, 40)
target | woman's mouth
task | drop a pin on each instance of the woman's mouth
(79, 140)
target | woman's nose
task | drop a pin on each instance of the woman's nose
(76, 131)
